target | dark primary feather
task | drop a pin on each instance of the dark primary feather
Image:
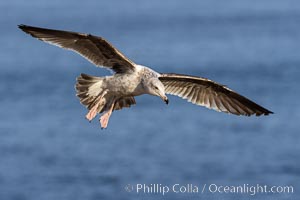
(210, 94)
(95, 49)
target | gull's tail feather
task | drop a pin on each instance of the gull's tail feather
(124, 102)
(88, 88)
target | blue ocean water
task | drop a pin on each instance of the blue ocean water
(49, 151)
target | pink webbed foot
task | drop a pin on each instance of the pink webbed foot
(94, 110)
(92, 113)
(104, 119)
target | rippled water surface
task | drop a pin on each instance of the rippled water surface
(49, 151)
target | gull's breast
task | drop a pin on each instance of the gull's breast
(125, 85)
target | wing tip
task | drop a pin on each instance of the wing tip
(22, 27)
(268, 112)
(264, 112)
(26, 28)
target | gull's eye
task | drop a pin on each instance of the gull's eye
(155, 87)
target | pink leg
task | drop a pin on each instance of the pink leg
(93, 111)
(105, 117)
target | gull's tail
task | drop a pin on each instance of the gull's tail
(88, 89)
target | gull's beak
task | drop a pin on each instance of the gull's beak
(165, 99)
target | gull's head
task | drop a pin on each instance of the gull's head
(156, 88)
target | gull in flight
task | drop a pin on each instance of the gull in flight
(109, 93)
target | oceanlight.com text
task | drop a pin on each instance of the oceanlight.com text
(247, 189)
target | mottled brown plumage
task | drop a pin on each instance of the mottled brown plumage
(105, 94)
(84, 81)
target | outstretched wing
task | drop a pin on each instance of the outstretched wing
(210, 94)
(95, 49)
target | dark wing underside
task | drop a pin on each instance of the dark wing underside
(95, 49)
(210, 94)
